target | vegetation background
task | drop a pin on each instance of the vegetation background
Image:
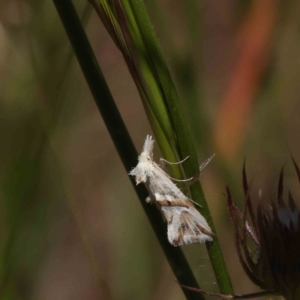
(70, 223)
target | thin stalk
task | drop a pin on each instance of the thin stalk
(120, 136)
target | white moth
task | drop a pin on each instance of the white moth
(185, 224)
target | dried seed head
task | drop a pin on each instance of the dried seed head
(274, 264)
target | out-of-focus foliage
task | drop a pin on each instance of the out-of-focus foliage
(71, 227)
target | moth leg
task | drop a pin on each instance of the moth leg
(201, 167)
(148, 199)
(205, 163)
(192, 179)
(162, 162)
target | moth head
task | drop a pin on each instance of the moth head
(141, 171)
(140, 174)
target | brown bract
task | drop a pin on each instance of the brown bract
(274, 264)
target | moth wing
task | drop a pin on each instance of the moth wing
(186, 226)
(164, 190)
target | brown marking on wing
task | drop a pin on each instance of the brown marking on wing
(175, 202)
(197, 228)
(181, 231)
(163, 202)
(181, 203)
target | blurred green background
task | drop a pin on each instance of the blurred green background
(71, 225)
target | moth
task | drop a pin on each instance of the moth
(185, 224)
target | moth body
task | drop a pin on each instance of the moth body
(185, 224)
